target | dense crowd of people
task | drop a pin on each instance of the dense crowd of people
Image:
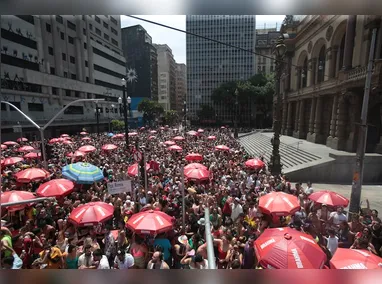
(40, 236)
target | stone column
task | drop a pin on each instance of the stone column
(349, 42)
(289, 120)
(354, 119)
(313, 72)
(339, 142)
(284, 117)
(316, 136)
(296, 118)
(312, 118)
(300, 134)
(333, 62)
(57, 43)
(333, 122)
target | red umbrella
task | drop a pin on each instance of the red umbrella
(64, 135)
(133, 169)
(87, 149)
(133, 134)
(120, 135)
(83, 133)
(109, 147)
(221, 148)
(76, 154)
(279, 204)
(153, 132)
(195, 166)
(91, 214)
(33, 155)
(22, 139)
(355, 259)
(329, 198)
(255, 164)
(67, 142)
(86, 138)
(194, 157)
(55, 188)
(152, 137)
(26, 149)
(53, 140)
(286, 248)
(31, 174)
(150, 222)
(12, 161)
(11, 143)
(196, 174)
(193, 133)
(175, 148)
(200, 130)
(211, 137)
(15, 196)
(3, 147)
(178, 138)
(169, 143)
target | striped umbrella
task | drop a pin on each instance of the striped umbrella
(82, 173)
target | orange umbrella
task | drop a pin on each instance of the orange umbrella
(87, 149)
(31, 174)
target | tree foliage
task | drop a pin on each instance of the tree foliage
(150, 110)
(117, 124)
(171, 116)
(206, 112)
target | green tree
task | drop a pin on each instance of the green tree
(117, 124)
(150, 110)
(206, 112)
(171, 116)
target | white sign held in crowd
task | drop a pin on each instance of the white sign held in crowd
(119, 187)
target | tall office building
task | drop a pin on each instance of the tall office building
(140, 55)
(166, 76)
(181, 87)
(49, 61)
(265, 41)
(209, 64)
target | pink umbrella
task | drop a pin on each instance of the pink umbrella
(26, 149)
(169, 143)
(22, 139)
(178, 138)
(200, 130)
(12, 161)
(133, 134)
(221, 148)
(67, 142)
(55, 188)
(153, 132)
(195, 166)
(64, 135)
(175, 148)
(193, 133)
(14, 196)
(152, 137)
(87, 149)
(86, 139)
(76, 154)
(33, 155)
(211, 137)
(120, 135)
(194, 157)
(133, 169)
(11, 143)
(3, 147)
(31, 174)
(109, 147)
(83, 133)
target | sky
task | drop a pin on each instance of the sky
(177, 40)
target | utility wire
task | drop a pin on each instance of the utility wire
(216, 41)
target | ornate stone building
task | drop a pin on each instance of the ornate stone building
(322, 86)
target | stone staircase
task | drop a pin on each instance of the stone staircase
(257, 144)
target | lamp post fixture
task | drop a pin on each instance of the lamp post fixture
(129, 108)
(124, 99)
(97, 112)
(236, 134)
(275, 160)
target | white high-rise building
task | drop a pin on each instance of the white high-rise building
(209, 64)
(49, 61)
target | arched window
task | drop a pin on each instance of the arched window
(321, 65)
(304, 72)
(341, 52)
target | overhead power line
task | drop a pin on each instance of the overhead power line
(214, 40)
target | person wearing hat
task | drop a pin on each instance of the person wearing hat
(180, 249)
(123, 260)
(52, 256)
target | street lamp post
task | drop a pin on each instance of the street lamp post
(236, 134)
(275, 159)
(185, 114)
(96, 112)
(129, 108)
(125, 113)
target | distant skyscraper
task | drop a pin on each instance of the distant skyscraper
(181, 87)
(210, 64)
(140, 55)
(166, 76)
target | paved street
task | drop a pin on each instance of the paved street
(371, 192)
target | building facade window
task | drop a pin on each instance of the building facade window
(114, 31)
(48, 28)
(106, 36)
(86, 63)
(59, 19)
(85, 45)
(114, 21)
(50, 50)
(54, 91)
(70, 25)
(98, 32)
(66, 74)
(97, 19)
(62, 36)
(35, 107)
(64, 56)
(73, 76)
(113, 41)
(105, 25)
(68, 93)
(72, 59)
(52, 70)
(70, 40)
